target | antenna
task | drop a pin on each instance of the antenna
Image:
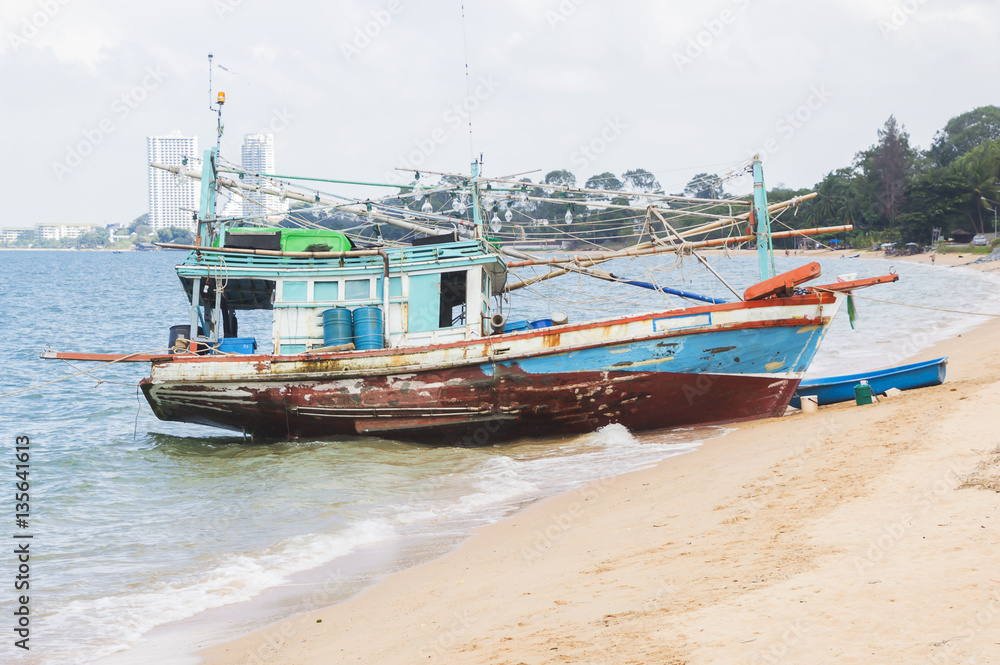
(220, 100)
(468, 86)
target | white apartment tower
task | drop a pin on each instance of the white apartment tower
(171, 198)
(258, 157)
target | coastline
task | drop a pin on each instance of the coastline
(841, 535)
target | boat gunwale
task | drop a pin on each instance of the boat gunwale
(803, 300)
(830, 381)
(385, 370)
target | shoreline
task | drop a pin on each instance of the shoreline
(825, 533)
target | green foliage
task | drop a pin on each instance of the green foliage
(175, 235)
(964, 133)
(705, 186)
(894, 192)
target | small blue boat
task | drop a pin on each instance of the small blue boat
(833, 389)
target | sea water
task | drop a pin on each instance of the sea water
(145, 531)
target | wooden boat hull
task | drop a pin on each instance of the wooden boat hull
(705, 365)
(831, 390)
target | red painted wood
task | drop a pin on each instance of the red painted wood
(782, 284)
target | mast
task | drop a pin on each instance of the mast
(765, 252)
(477, 217)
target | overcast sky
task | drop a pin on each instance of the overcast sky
(354, 89)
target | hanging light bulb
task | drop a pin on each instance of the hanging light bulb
(495, 223)
(371, 214)
(522, 196)
(509, 215)
(427, 208)
(569, 215)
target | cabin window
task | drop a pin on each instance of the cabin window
(293, 292)
(323, 291)
(357, 289)
(395, 287)
(452, 312)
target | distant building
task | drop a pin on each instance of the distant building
(60, 231)
(258, 157)
(172, 199)
(12, 235)
(116, 233)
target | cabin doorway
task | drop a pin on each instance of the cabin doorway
(453, 309)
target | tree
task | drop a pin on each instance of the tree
(932, 201)
(704, 186)
(93, 239)
(965, 132)
(887, 166)
(641, 180)
(562, 178)
(606, 180)
(141, 220)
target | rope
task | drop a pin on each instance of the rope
(903, 304)
(70, 376)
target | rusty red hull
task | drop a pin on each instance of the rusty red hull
(699, 366)
(470, 408)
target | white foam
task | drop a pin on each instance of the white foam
(114, 623)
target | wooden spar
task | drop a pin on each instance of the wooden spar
(563, 269)
(612, 192)
(646, 248)
(780, 234)
(359, 209)
(632, 251)
(614, 206)
(855, 283)
(272, 252)
(106, 357)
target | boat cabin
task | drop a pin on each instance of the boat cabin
(439, 290)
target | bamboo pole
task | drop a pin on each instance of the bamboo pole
(563, 269)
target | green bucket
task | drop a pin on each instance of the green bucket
(863, 393)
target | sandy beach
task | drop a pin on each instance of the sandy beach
(853, 535)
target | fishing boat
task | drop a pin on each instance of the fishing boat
(833, 389)
(410, 340)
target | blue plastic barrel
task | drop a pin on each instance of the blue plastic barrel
(337, 326)
(514, 326)
(368, 328)
(542, 323)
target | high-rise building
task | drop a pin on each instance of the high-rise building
(172, 199)
(258, 157)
